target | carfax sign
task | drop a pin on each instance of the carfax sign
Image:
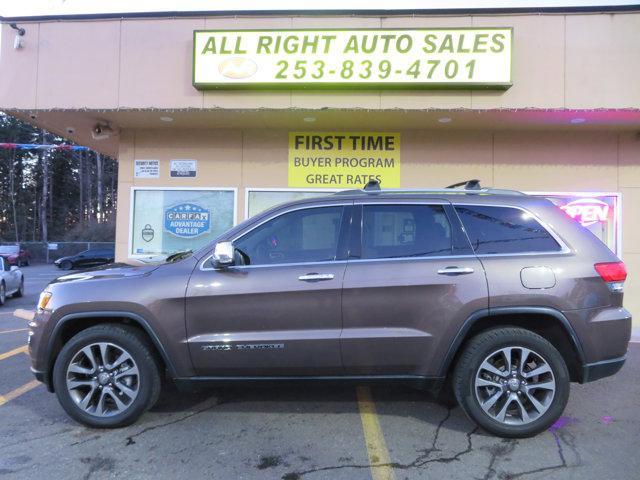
(343, 159)
(400, 58)
(187, 220)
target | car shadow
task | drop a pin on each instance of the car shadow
(316, 398)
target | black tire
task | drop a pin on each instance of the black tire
(474, 354)
(26, 263)
(19, 263)
(133, 342)
(3, 293)
(66, 265)
(20, 292)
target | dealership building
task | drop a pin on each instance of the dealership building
(215, 116)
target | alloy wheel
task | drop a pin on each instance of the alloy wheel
(514, 385)
(103, 379)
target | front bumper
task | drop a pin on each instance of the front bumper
(40, 376)
(597, 370)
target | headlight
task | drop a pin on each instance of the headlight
(43, 301)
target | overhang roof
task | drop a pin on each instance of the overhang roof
(78, 124)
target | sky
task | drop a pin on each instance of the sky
(19, 8)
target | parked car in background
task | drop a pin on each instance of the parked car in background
(15, 255)
(11, 281)
(87, 259)
(500, 295)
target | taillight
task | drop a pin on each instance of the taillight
(614, 273)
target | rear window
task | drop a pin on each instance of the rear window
(498, 230)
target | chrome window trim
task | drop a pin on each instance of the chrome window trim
(246, 267)
(564, 248)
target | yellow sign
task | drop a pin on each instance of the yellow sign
(367, 58)
(343, 159)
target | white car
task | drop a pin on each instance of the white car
(11, 281)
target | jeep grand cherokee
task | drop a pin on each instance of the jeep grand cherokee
(498, 294)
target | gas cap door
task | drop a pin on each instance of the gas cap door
(537, 277)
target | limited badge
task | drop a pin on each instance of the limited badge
(147, 233)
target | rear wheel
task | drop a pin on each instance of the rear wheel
(3, 293)
(512, 382)
(107, 376)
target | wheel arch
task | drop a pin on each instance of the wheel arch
(551, 324)
(73, 323)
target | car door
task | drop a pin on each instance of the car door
(11, 277)
(81, 260)
(278, 311)
(410, 283)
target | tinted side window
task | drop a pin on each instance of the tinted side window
(394, 231)
(309, 235)
(504, 230)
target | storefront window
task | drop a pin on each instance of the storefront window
(166, 221)
(259, 200)
(597, 212)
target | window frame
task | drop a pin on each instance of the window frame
(564, 248)
(341, 249)
(459, 241)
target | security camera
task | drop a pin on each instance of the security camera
(71, 130)
(100, 131)
(33, 116)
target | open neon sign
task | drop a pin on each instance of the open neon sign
(587, 211)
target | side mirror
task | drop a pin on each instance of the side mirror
(223, 255)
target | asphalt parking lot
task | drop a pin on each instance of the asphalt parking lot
(304, 432)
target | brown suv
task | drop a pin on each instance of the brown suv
(496, 293)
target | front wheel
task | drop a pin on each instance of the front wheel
(512, 382)
(107, 376)
(66, 265)
(3, 293)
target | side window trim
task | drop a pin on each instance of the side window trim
(342, 237)
(564, 248)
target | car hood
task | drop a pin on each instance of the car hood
(105, 272)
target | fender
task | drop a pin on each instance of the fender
(134, 317)
(498, 311)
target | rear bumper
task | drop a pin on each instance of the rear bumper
(595, 371)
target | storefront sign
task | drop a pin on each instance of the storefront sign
(146, 169)
(187, 220)
(588, 211)
(184, 168)
(598, 212)
(401, 58)
(343, 159)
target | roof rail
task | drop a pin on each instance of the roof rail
(471, 187)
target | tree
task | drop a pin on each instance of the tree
(53, 194)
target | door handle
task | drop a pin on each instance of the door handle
(455, 271)
(315, 277)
